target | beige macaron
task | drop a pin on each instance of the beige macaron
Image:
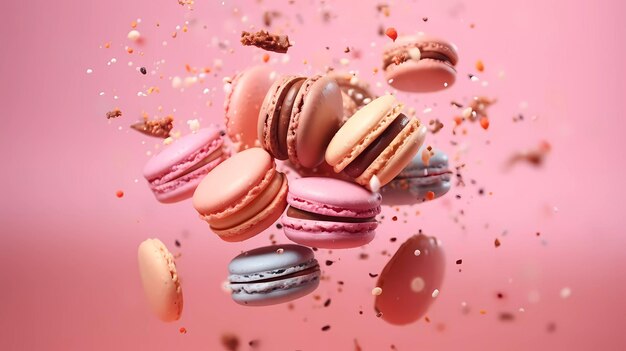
(160, 280)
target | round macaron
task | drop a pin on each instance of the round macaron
(174, 173)
(354, 87)
(243, 103)
(426, 177)
(330, 213)
(379, 140)
(242, 196)
(299, 117)
(273, 274)
(420, 63)
(411, 280)
(160, 280)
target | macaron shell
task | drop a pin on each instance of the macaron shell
(234, 183)
(328, 235)
(263, 220)
(423, 76)
(361, 130)
(316, 117)
(333, 197)
(160, 280)
(243, 104)
(396, 156)
(416, 166)
(349, 107)
(279, 291)
(426, 42)
(408, 280)
(268, 258)
(180, 155)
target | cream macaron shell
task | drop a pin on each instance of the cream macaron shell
(160, 280)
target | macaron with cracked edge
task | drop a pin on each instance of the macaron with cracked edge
(174, 173)
(379, 140)
(420, 63)
(273, 274)
(424, 175)
(160, 280)
(409, 280)
(242, 196)
(243, 103)
(299, 117)
(330, 213)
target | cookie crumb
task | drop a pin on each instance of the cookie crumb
(326, 328)
(266, 41)
(230, 341)
(158, 128)
(496, 243)
(114, 113)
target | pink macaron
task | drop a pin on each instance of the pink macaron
(330, 213)
(174, 173)
(420, 63)
(243, 103)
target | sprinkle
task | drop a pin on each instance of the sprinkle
(566, 292)
(327, 303)
(326, 328)
(496, 243)
(230, 341)
(430, 195)
(280, 251)
(480, 66)
(484, 122)
(375, 184)
(193, 124)
(134, 35)
(329, 262)
(377, 291)
(143, 70)
(459, 261)
(417, 252)
(120, 194)
(183, 330)
(392, 33)
(417, 284)
(89, 71)
(435, 293)
(266, 57)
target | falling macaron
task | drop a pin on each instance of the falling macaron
(420, 63)
(273, 274)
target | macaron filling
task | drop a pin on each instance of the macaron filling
(365, 159)
(293, 212)
(282, 278)
(402, 54)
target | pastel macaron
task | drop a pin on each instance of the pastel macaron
(273, 274)
(330, 213)
(426, 177)
(355, 92)
(160, 280)
(243, 102)
(174, 173)
(299, 117)
(242, 196)
(411, 280)
(420, 63)
(379, 140)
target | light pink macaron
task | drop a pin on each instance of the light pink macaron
(174, 173)
(330, 213)
(420, 63)
(243, 103)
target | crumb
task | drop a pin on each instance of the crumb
(459, 261)
(143, 71)
(326, 328)
(268, 16)
(363, 256)
(230, 341)
(182, 330)
(266, 41)
(393, 240)
(496, 243)
(484, 122)
(177, 243)
(373, 275)
(436, 125)
(425, 19)
(159, 128)
(384, 9)
(427, 319)
(329, 262)
(535, 156)
(357, 347)
(346, 50)
(480, 67)
(327, 302)
(391, 33)
(114, 113)
(506, 316)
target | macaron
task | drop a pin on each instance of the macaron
(330, 213)
(299, 117)
(354, 87)
(160, 280)
(420, 63)
(242, 196)
(273, 274)
(243, 103)
(379, 140)
(411, 280)
(174, 173)
(426, 177)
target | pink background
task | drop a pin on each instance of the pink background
(70, 280)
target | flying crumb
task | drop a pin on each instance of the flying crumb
(230, 341)
(496, 243)
(114, 113)
(159, 128)
(266, 41)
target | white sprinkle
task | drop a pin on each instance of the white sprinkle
(367, 101)
(101, 93)
(136, 180)
(134, 35)
(390, 81)
(344, 61)
(205, 91)
(168, 141)
(354, 80)
(279, 251)
(89, 71)
(474, 79)
(566, 292)
(417, 252)
(435, 293)
(273, 75)
(445, 85)
(427, 110)
(130, 63)
(467, 112)
(374, 184)
(193, 124)
(177, 82)
(164, 43)
(417, 284)
(415, 54)
(377, 291)
(115, 97)
(244, 19)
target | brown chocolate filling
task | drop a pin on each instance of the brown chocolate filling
(283, 112)
(300, 214)
(365, 159)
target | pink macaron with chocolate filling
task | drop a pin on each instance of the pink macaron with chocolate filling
(420, 63)
(174, 173)
(330, 213)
